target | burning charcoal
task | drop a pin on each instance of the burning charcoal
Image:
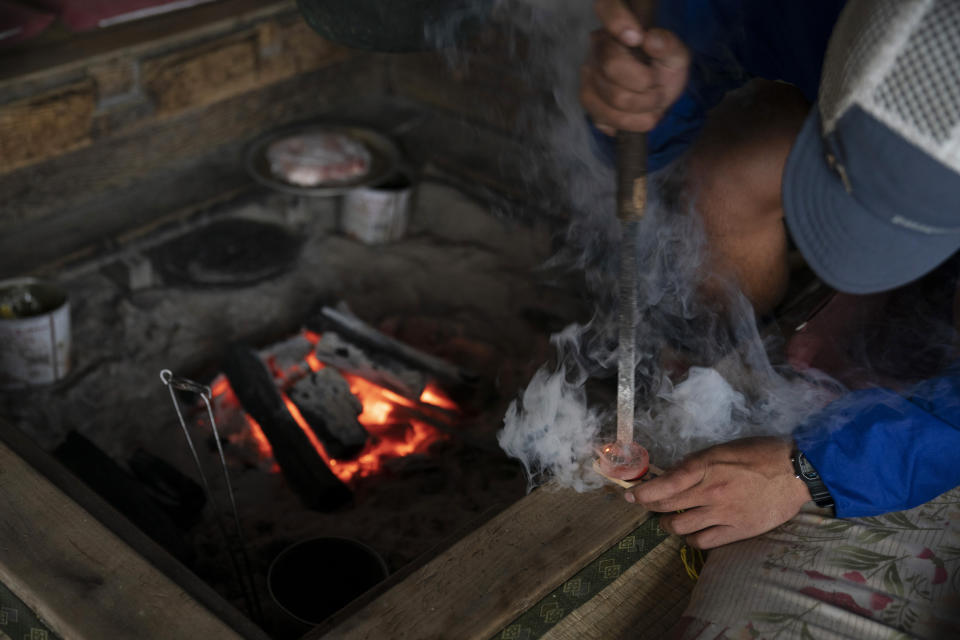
(181, 497)
(326, 403)
(349, 358)
(288, 356)
(355, 329)
(302, 466)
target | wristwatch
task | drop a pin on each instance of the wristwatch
(805, 471)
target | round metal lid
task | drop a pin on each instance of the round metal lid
(384, 159)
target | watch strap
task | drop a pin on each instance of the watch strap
(806, 472)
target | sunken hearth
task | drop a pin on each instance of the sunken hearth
(357, 390)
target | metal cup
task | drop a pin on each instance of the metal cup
(34, 333)
(378, 214)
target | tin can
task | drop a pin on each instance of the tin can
(34, 333)
(378, 214)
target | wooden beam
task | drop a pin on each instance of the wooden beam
(162, 167)
(84, 580)
(497, 572)
(57, 53)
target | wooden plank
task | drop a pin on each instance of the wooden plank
(83, 579)
(71, 52)
(123, 182)
(499, 571)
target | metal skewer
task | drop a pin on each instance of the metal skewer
(631, 204)
(236, 546)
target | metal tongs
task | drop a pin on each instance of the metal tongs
(235, 544)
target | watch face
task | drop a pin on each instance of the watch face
(806, 469)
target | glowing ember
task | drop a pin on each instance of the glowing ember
(432, 395)
(263, 445)
(386, 415)
(220, 386)
(314, 362)
(311, 436)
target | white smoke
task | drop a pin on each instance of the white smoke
(702, 404)
(703, 372)
(553, 431)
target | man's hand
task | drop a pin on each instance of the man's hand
(619, 91)
(729, 492)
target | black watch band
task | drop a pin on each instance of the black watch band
(806, 472)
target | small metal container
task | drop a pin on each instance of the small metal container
(378, 214)
(315, 578)
(34, 333)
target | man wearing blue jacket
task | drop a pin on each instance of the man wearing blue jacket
(867, 187)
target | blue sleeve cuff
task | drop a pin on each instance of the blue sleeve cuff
(878, 451)
(664, 144)
(677, 129)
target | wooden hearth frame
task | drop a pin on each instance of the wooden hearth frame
(491, 576)
(86, 571)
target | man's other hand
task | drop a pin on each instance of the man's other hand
(619, 91)
(726, 493)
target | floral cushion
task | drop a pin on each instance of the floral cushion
(890, 576)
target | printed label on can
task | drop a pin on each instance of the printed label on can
(375, 216)
(35, 349)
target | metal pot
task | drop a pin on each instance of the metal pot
(315, 578)
(383, 25)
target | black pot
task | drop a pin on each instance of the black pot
(395, 25)
(314, 579)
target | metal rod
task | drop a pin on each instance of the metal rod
(242, 567)
(631, 205)
(626, 372)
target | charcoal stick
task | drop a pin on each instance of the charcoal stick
(304, 469)
(99, 472)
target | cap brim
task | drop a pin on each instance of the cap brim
(845, 244)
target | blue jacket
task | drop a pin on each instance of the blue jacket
(879, 451)
(731, 42)
(876, 450)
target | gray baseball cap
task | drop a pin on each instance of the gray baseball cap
(871, 190)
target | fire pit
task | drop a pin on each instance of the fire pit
(390, 367)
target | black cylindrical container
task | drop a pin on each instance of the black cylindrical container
(315, 578)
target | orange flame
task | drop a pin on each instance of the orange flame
(263, 445)
(433, 395)
(305, 426)
(220, 386)
(392, 434)
(314, 362)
